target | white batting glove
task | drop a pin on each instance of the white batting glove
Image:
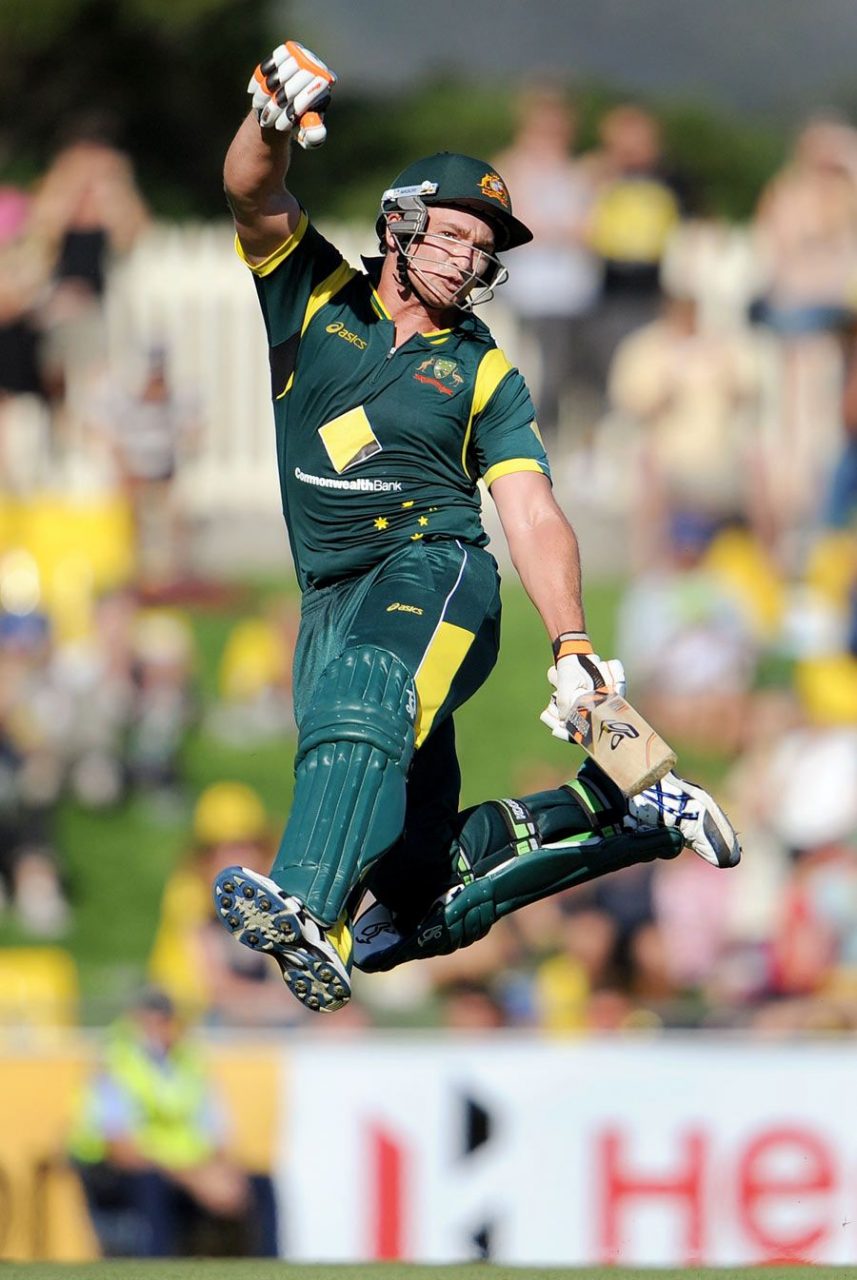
(289, 85)
(577, 671)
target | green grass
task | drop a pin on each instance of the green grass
(119, 861)
(204, 1269)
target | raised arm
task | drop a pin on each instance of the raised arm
(254, 174)
(290, 91)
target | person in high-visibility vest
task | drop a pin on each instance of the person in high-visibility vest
(148, 1142)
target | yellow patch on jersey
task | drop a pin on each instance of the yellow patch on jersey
(349, 439)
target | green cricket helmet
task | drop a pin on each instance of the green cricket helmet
(464, 182)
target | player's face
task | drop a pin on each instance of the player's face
(451, 256)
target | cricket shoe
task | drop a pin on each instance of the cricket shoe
(315, 962)
(376, 938)
(704, 827)
(379, 943)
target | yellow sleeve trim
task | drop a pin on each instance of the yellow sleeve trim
(493, 368)
(510, 468)
(273, 260)
(322, 294)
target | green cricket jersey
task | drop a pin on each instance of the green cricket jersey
(378, 447)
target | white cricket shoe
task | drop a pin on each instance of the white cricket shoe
(315, 962)
(675, 802)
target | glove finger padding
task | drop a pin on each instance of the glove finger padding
(295, 54)
(550, 717)
(277, 114)
(312, 131)
(616, 671)
(260, 89)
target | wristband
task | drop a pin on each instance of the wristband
(571, 642)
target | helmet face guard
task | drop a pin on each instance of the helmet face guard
(409, 232)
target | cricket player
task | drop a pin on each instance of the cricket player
(391, 400)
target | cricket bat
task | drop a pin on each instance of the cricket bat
(617, 738)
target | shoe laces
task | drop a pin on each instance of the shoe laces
(672, 803)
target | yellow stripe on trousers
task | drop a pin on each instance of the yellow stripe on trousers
(439, 667)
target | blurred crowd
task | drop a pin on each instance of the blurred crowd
(707, 395)
(695, 382)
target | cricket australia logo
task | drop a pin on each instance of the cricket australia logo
(618, 731)
(440, 372)
(493, 186)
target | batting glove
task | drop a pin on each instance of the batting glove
(293, 85)
(577, 671)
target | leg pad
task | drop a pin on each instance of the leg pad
(466, 914)
(354, 748)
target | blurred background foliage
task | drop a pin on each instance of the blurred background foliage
(163, 73)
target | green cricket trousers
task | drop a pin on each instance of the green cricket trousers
(382, 663)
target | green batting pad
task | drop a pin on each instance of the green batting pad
(356, 742)
(468, 913)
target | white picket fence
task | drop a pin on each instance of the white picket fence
(184, 288)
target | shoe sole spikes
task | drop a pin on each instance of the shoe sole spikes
(257, 912)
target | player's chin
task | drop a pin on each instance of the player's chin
(442, 292)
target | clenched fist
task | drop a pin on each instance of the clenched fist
(291, 88)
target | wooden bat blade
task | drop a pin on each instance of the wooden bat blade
(620, 741)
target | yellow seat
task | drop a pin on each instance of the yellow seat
(38, 987)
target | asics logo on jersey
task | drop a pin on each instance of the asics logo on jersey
(404, 608)
(339, 329)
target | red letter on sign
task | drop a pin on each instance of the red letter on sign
(759, 1181)
(618, 1187)
(387, 1192)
